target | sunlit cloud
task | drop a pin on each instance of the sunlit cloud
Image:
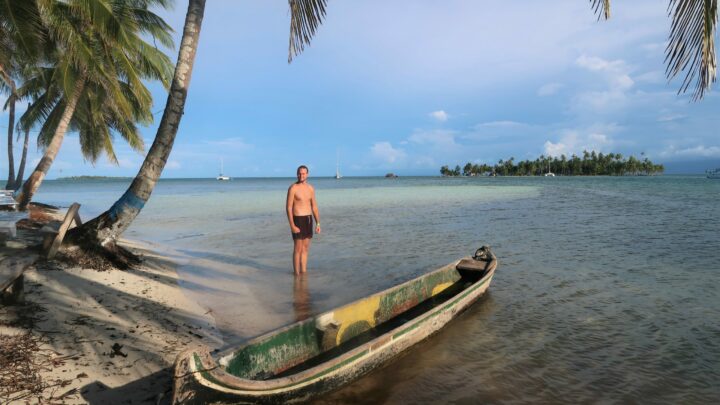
(385, 152)
(439, 115)
(616, 72)
(575, 142)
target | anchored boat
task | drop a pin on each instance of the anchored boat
(320, 354)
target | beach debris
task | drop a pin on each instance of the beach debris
(22, 358)
(116, 350)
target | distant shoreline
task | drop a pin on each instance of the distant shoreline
(93, 178)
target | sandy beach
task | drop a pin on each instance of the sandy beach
(91, 336)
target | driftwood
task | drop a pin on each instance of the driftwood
(54, 238)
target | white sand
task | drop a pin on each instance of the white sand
(87, 312)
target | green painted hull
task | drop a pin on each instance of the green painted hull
(320, 354)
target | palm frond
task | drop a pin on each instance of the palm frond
(691, 45)
(47, 130)
(21, 20)
(305, 18)
(152, 24)
(38, 111)
(601, 8)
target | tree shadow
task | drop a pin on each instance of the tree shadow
(155, 388)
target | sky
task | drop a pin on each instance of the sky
(410, 85)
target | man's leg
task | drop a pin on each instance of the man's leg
(297, 254)
(305, 254)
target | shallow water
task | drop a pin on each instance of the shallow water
(606, 289)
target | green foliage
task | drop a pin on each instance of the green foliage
(101, 43)
(591, 164)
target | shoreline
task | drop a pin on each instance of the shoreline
(103, 335)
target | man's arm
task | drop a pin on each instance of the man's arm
(289, 208)
(315, 210)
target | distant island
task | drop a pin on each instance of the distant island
(391, 176)
(591, 164)
(94, 178)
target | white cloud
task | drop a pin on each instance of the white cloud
(386, 152)
(439, 115)
(575, 142)
(671, 117)
(695, 151)
(440, 138)
(616, 72)
(549, 89)
(499, 124)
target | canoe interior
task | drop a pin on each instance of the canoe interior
(308, 343)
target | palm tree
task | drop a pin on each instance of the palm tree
(96, 46)
(21, 38)
(103, 231)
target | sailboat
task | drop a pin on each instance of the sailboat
(549, 173)
(337, 168)
(222, 176)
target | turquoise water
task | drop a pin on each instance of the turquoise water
(606, 290)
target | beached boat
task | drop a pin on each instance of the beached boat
(319, 354)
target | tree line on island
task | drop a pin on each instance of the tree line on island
(591, 164)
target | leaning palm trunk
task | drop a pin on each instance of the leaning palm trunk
(21, 169)
(11, 126)
(33, 182)
(105, 229)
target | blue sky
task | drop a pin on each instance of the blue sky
(408, 86)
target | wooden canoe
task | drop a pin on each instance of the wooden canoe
(319, 354)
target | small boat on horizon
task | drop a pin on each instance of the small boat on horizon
(221, 176)
(337, 168)
(323, 352)
(713, 173)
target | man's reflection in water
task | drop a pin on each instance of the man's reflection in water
(302, 304)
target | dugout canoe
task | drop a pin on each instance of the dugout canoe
(319, 354)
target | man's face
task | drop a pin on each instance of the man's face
(302, 175)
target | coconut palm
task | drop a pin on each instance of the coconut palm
(99, 52)
(104, 231)
(21, 39)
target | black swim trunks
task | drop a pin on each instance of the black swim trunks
(305, 223)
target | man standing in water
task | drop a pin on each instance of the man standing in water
(301, 207)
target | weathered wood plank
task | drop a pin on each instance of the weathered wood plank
(11, 276)
(69, 217)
